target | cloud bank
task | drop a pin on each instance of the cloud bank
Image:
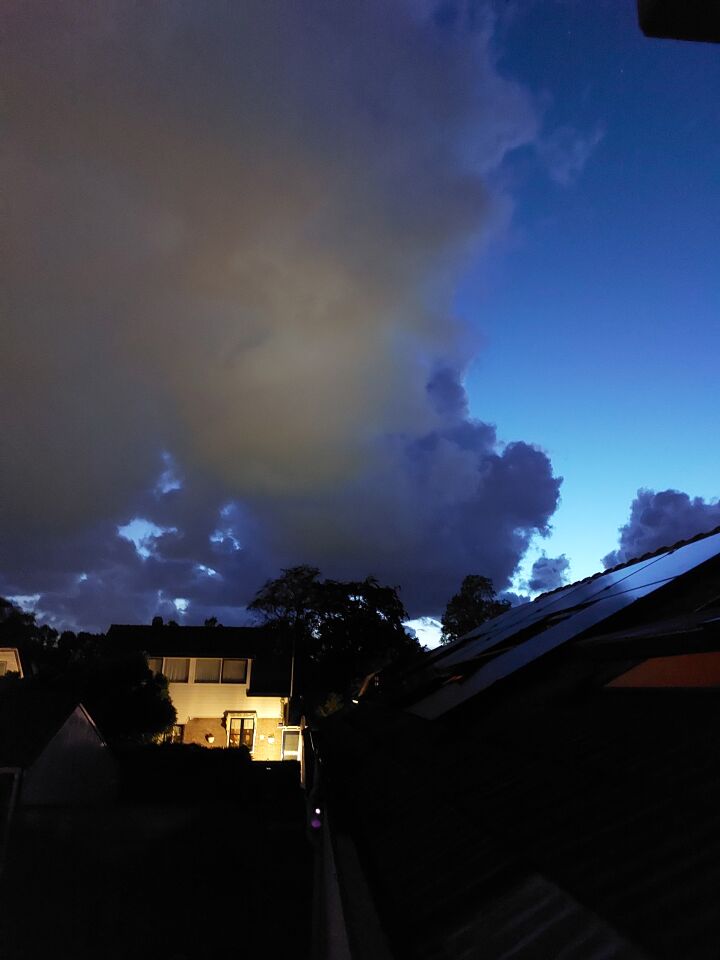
(548, 573)
(662, 519)
(236, 233)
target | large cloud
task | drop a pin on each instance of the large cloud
(661, 519)
(548, 573)
(236, 231)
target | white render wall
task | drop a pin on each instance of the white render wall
(214, 699)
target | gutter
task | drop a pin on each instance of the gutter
(345, 925)
(16, 774)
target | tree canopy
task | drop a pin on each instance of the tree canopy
(341, 631)
(473, 604)
(127, 701)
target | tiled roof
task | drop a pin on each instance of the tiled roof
(551, 809)
(629, 563)
(669, 581)
(29, 719)
(177, 641)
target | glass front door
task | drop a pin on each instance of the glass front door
(242, 732)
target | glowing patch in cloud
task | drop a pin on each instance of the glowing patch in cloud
(208, 571)
(168, 479)
(143, 534)
(225, 537)
(426, 629)
(26, 602)
(181, 605)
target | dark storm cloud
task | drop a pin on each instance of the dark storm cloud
(661, 519)
(548, 573)
(236, 233)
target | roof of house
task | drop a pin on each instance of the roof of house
(270, 677)
(639, 589)
(570, 805)
(551, 816)
(29, 719)
(176, 641)
(270, 672)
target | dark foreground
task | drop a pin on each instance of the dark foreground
(214, 877)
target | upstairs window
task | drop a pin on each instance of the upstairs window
(177, 669)
(155, 664)
(234, 671)
(207, 671)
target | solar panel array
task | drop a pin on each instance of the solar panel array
(555, 619)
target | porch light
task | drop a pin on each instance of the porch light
(210, 737)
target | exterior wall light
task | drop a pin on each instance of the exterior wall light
(210, 737)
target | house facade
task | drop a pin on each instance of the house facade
(10, 661)
(227, 690)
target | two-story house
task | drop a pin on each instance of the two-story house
(227, 688)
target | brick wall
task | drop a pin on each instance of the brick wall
(266, 729)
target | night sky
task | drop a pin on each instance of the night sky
(406, 289)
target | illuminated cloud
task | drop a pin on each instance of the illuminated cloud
(237, 233)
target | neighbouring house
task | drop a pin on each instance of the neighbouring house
(549, 786)
(10, 661)
(227, 687)
(52, 751)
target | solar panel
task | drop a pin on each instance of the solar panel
(521, 618)
(586, 605)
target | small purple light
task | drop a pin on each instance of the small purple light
(316, 823)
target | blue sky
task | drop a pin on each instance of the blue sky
(601, 308)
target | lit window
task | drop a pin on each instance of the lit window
(3, 668)
(155, 664)
(242, 732)
(234, 671)
(177, 669)
(207, 671)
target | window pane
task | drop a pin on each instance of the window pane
(291, 741)
(234, 671)
(177, 669)
(207, 671)
(155, 664)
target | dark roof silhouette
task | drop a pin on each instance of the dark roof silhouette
(176, 641)
(29, 719)
(628, 563)
(270, 672)
(552, 815)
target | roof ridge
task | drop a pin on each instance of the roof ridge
(628, 563)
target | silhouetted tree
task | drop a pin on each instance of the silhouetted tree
(340, 630)
(472, 605)
(127, 701)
